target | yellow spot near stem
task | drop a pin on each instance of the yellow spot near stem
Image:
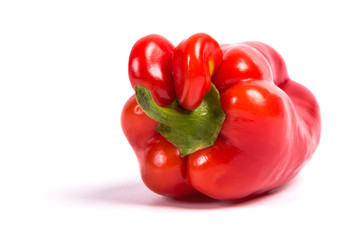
(211, 67)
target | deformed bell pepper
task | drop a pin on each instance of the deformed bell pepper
(223, 120)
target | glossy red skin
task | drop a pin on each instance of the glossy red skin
(161, 166)
(192, 76)
(164, 170)
(271, 130)
(150, 66)
(240, 63)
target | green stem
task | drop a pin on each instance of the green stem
(189, 131)
(160, 114)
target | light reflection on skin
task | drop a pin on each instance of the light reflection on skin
(242, 66)
(155, 71)
(197, 49)
(138, 110)
(149, 50)
(234, 100)
(159, 159)
(135, 66)
(201, 160)
(256, 96)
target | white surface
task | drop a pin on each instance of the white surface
(66, 170)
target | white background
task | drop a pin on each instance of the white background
(67, 171)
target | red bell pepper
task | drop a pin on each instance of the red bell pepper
(239, 126)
